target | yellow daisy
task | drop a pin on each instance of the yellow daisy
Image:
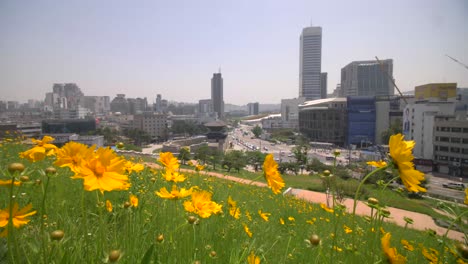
(402, 157)
(272, 176)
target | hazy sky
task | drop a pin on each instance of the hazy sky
(142, 48)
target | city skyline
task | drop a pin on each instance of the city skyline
(162, 48)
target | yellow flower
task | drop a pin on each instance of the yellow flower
(169, 161)
(109, 206)
(247, 230)
(40, 151)
(264, 216)
(377, 164)
(133, 167)
(291, 219)
(103, 172)
(248, 215)
(8, 183)
(174, 176)
(311, 221)
(272, 176)
(71, 155)
(430, 256)
(174, 194)
(402, 157)
(407, 245)
(325, 207)
(347, 229)
(337, 248)
(19, 218)
(281, 221)
(202, 205)
(234, 211)
(252, 259)
(391, 253)
(133, 200)
(199, 167)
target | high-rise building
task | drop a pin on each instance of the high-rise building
(323, 84)
(367, 78)
(217, 94)
(253, 108)
(205, 106)
(310, 61)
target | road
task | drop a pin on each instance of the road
(435, 187)
(243, 139)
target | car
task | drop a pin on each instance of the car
(454, 185)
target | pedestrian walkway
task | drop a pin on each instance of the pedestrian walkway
(421, 221)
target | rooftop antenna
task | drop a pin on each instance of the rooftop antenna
(219, 70)
(391, 79)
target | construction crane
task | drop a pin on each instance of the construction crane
(457, 61)
(391, 79)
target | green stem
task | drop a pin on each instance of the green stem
(453, 222)
(361, 184)
(252, 181)
(287, 248)
(10, 221)
(43, 213)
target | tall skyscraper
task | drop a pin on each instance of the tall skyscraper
(323, 84)
(217, 94)
(310, 63)
(367, 78)
(253, 108)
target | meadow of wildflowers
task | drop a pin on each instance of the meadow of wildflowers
(80, 204)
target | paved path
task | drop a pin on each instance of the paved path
(421, 221)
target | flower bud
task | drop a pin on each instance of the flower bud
(160, 238)
(51, 170)
(326, 173)
(192, 219)
(314, 239)
(114, 255)
(57, 235)
(16, 166)
(373, 201)
(213, 254)
(24, 178)
(127, 204)
(463, 250)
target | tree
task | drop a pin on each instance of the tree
(394, 128)
(257, 131)
(138, 136)
(110, 135)
(184, 154)
(215, 158)
(300, 154)
(234, 159)
(202, 153)
(255, 158)
(187, 127)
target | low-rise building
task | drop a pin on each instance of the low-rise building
(324, 120)
(451, 144)
(155, 124)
